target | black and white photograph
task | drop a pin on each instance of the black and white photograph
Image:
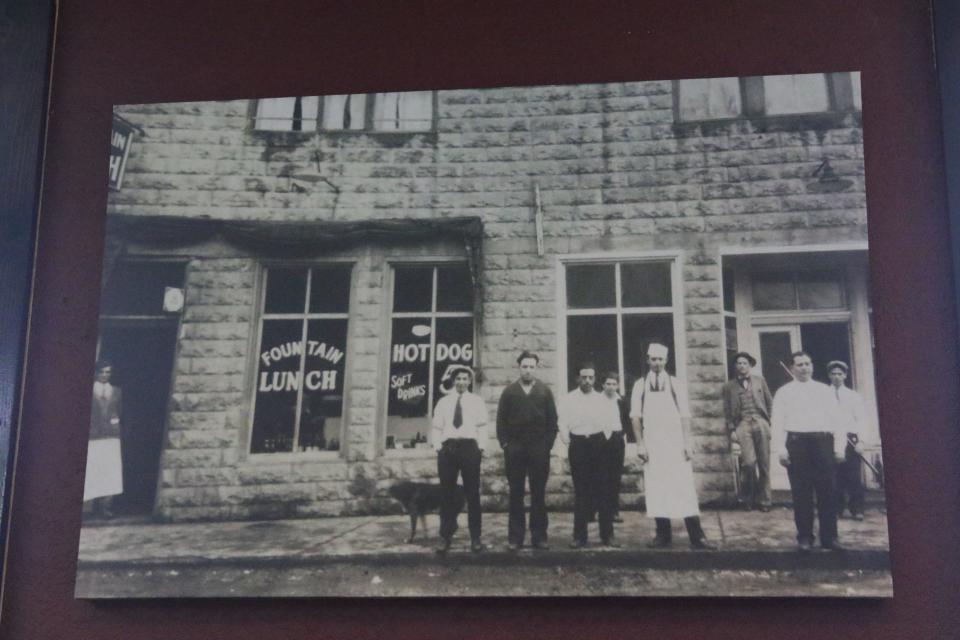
(607, 339)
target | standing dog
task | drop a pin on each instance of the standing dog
(419, 499)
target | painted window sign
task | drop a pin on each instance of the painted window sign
(431, 330)
(301, 360)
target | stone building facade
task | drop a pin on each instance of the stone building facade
(715, 215)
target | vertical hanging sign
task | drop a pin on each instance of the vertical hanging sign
(121, 139)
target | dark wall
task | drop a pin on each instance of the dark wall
(139, 51)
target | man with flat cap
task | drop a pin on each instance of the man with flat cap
(527, 429)
(853, 421)
(459, 436)
(748, 405)
(658, 409)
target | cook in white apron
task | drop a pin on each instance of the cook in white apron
(669, 486)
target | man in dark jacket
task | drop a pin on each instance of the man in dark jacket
(747, 405)
(527, 429)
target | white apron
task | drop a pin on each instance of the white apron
(667, 477)
(104, 469)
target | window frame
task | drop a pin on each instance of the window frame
(840, 101)
(253, 367)
(389, 316)
(676, 259)
(368, 111)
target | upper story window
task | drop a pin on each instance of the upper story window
(431, 329)
(780, 95)
(408, 111)
(302, 353)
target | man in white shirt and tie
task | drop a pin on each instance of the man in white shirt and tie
(809, 439)
(853, 418)
(459, 436)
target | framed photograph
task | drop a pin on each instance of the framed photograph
(654, 292)
(359, 268)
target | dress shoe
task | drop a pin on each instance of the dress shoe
(833, 545)
(477, 547)
(611, 542)
(541, 546)
(659, 543)
(578, 544)
(444, 546)
(617, 518)
(703, 544)
(804, 546)
(513, 547)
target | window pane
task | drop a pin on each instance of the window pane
(409, 111)
(774, 293)
(645, 284)
(275, 114)
(137, 288)
(408, 399)
(590, 286)
(857, 97)
(454, 346)
(638, 332)
(775, 350)
(820, 292)
(323, 385)
(413, 288)
(454, 289)
(286, 290)
(730, 333)
(330, 289)
(709, 98)
(729, 292)
(592, 338)
(277, 385)
(344, 112)
(805, 93)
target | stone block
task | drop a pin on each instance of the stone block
(261, 474)
(201, 439)
(202, 477)
(190, 458)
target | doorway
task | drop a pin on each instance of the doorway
(142, 354)
(824, 341)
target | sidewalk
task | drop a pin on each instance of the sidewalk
(123, 559)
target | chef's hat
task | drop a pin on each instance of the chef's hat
(657, 350)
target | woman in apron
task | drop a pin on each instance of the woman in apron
(662, 445)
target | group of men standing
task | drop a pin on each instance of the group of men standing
(812, 428)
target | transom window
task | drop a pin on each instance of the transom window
(614, 310)
(382, 112)
(722, 98)
(431, 330)
(798, 291)
(301, 355)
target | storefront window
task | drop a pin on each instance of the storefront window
(614, 311)
(794, 291)
(431, 330)
(302, 356)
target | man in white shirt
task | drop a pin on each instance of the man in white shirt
(613, 448)
(459, 436)
(809, 438)
(581, 429)
(853, 418)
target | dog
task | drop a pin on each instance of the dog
(419, 499)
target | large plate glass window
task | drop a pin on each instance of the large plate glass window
(431, 330)
(614, 310)
(301, 360)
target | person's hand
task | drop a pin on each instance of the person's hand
(642, 453)
(858, 448)
(735, 448)
(839, 456)
(733, 437)
(785, 459)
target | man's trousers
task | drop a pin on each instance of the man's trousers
(812, 474)
(459, 458)
(524, 460)
(586, 454)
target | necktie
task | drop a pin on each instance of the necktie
(458, 413)
(837, 391)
